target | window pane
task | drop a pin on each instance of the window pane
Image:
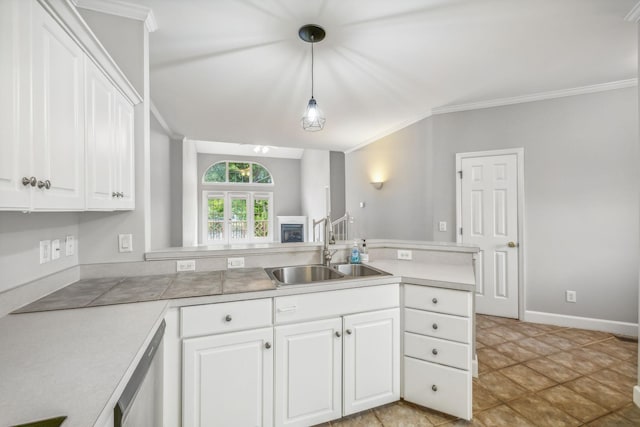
(261, 175)
(261, 217)
(238, 218)
(239, 172)
(215, 218)
(216, 173)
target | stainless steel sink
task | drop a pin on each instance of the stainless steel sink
(301, 274)
(359, 270)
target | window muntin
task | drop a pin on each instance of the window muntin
(234, 217)
(236, 172)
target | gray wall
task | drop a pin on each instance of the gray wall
(20, 236)
(337, 184)
(402, 209)
(285, 174)
(315, 166)
(581, 192)
(160, 187)
(175, 153)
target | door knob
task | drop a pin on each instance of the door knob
(512, 244)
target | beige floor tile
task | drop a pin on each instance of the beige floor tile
(575, 362)
(596, 356)
(479, 345)
(541, 412)
(627, 368)
(537, 346)
(487, 338)
(557, 341)
(599, 393)
(612, 420)
(400, 414)
(529, 329)
(482, 398)
(503, 416)
(553, 370)
(501, 387)
(483, 322)
(615, 380)
(515, 352)
(596, 335)
(438, 418)
(574, 335)
(573, 403)
(548, 328)
(361, 419)
(630, 412)
(493, 358)
(464, 423)
(619, 349)
(527, 377)
(507, 333)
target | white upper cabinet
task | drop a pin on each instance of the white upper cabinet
(57, 109)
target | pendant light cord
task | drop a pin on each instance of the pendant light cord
(312, 41)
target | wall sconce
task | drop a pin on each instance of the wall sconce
(377, 185)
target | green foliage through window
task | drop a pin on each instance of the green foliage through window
(237, 172)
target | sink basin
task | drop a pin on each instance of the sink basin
(359, 270)
(301, 274)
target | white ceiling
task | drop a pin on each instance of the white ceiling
(236, 71)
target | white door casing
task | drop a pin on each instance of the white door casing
(488, 217)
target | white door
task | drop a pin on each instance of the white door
(308, 373)
(228, 380)
(58, 116)
(124, 182)
(489, 220)
(371, 360)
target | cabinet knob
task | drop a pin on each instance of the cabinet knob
(434, 387)
(228, 318)
(121, 195)
(338, 334)
(349, 331)
(46, 184)
(435, 300)
(434, 326)
(114, 194)
(434, 351)
(267, 345)
(29, 181)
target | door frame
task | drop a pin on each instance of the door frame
(519, 153)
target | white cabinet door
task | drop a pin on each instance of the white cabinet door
(15, 142)
(371, 360)
(228, 379)
(124, 182)
(58, 116)
(308, 373)
(100, 139)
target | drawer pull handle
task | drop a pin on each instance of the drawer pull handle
(338, 334)
(435, 300)
(435, 326)
(228, 318)
(267, 345)
(285, 309)
(434, 387)
(434, 351)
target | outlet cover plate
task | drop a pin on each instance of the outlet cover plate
(186, 265)
(125, 243)
(235, 262)
(405, 254)
(571, 296)
(55, 249)
(45, 251)
(69, 245)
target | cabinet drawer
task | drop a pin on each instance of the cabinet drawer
(438, 387)
(438, 351)
(225, 317)
(438, 325)
(296, 308)
(441, 300)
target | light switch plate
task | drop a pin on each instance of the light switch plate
(125, 243)
(55, 249)
(235, 262)
(69, 245)
(405, 254)
(186, 265)
(442, 226)
(45, 251)
(571, 296)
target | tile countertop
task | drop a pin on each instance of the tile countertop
(71, 362)
(77, 362)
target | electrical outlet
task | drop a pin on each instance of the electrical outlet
(186, 265)
(69, 245)
(125, 243)
(55, 249)
(235, 262)
(571, 296)
(45, 251)
(442, 226)
(405, 254)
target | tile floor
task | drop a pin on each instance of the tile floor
(535, 375)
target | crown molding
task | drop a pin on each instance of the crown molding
(536, 96)
(123, 9)
(163, 122)
(634, 14)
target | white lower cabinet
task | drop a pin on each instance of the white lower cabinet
(308, 369)
(228, 379)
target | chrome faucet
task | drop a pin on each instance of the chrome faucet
(328, 238)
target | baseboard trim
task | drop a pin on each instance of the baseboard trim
(474, 366)
(636, 395)
(612, 326)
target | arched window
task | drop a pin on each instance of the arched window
(232, 172)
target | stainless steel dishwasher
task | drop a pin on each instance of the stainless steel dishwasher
(140, 404)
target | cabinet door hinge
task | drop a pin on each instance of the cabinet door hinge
(460, 173)
(461, 231)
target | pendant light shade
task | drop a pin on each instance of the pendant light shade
(313, 119)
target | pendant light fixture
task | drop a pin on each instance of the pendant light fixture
(313, 119)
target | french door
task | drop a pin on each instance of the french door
(237, 217)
